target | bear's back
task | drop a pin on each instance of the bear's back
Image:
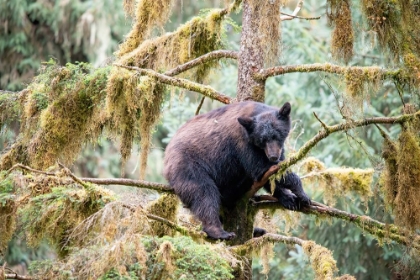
(211, 140)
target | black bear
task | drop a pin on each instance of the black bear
(215, 158)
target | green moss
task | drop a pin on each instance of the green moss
(51, 215)
(321, 260)
(343, 35)
(62, 110)
(166, 207)
(8, 210)
(10, 107)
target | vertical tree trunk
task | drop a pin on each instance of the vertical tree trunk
(251, 56)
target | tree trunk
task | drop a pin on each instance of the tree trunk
(251, 56)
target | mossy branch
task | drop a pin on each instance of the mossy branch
(201, 60)
(327, 130)
(255, 243)
(323, 67)
(180, 229)
(162, 188)
(182, 83)
(374, 227)
(16, 276)
(321, 258)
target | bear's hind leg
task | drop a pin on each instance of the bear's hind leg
(203, 199)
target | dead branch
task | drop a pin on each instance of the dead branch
(322, 67)
(295, 12)
(71, 175)
(17, 276)
(24, 167)
(201, 60)
(182, 83)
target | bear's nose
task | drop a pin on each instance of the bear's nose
(273, 158)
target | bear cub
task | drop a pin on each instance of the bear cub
(215, 158)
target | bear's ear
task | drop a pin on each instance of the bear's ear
(247, 122)
(285, 110)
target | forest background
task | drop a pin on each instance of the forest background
(87, 33)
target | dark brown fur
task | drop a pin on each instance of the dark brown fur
(215, 158)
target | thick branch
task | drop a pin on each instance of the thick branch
(321, 67)
(182, 83)
(376, 228)
(17, 276)
(129, 182)
(304, 150)
(201, 60)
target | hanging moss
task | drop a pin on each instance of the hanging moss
(389, 177)
(8, 211)
(198, 36)
(269, 29)
(166, 207)
(360, 82)
(53, 214)
(134, 102)
(384, 18)
(321, 260)
(339, 16)
(337, 182)
(10, 107)
(407, 208)
(62, 111)
(401, 175)
(148, 14)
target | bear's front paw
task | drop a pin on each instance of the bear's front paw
(303, 200)
(218, 233)
(288, 199)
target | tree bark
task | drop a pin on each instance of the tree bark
(251, 58)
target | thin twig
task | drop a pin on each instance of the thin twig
(200, 105)
(182, 83)
(295, 12)
(322, 123)
(201, 60)
(71, 175)
(21, 166)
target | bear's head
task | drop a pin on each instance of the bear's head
(269, 130)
